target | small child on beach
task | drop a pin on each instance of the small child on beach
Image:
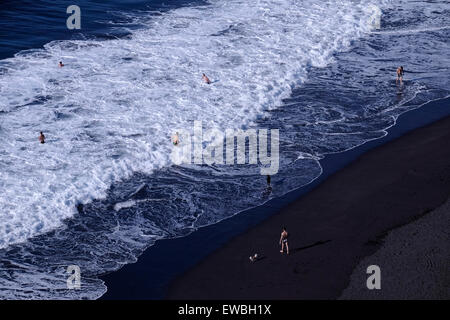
(254, 257)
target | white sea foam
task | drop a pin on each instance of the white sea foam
(111, 110)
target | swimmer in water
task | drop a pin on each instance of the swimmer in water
(61, 64)
(175, 139)
(399, 74)
(206, 79)
(42, 138)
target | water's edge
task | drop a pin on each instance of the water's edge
(168, 259)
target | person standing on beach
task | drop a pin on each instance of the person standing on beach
(284, 241)
(42, 138)
(400, 74)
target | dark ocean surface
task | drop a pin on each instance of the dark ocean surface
(104, 188)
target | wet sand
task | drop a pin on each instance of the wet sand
(333, 227)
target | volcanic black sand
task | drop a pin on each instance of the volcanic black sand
(414, 259)
(338, 224)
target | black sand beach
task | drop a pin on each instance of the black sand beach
(334, 223)
(414, 259)
(333, 227)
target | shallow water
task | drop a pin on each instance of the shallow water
(104, 188)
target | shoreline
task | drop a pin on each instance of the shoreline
(179, 258)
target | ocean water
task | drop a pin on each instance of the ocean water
(103, 188)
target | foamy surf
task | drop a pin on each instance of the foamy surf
(110, 111)
(109, 116)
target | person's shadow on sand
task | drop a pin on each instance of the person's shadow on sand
(318, 243)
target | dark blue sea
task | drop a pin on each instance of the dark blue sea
(106, 184)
